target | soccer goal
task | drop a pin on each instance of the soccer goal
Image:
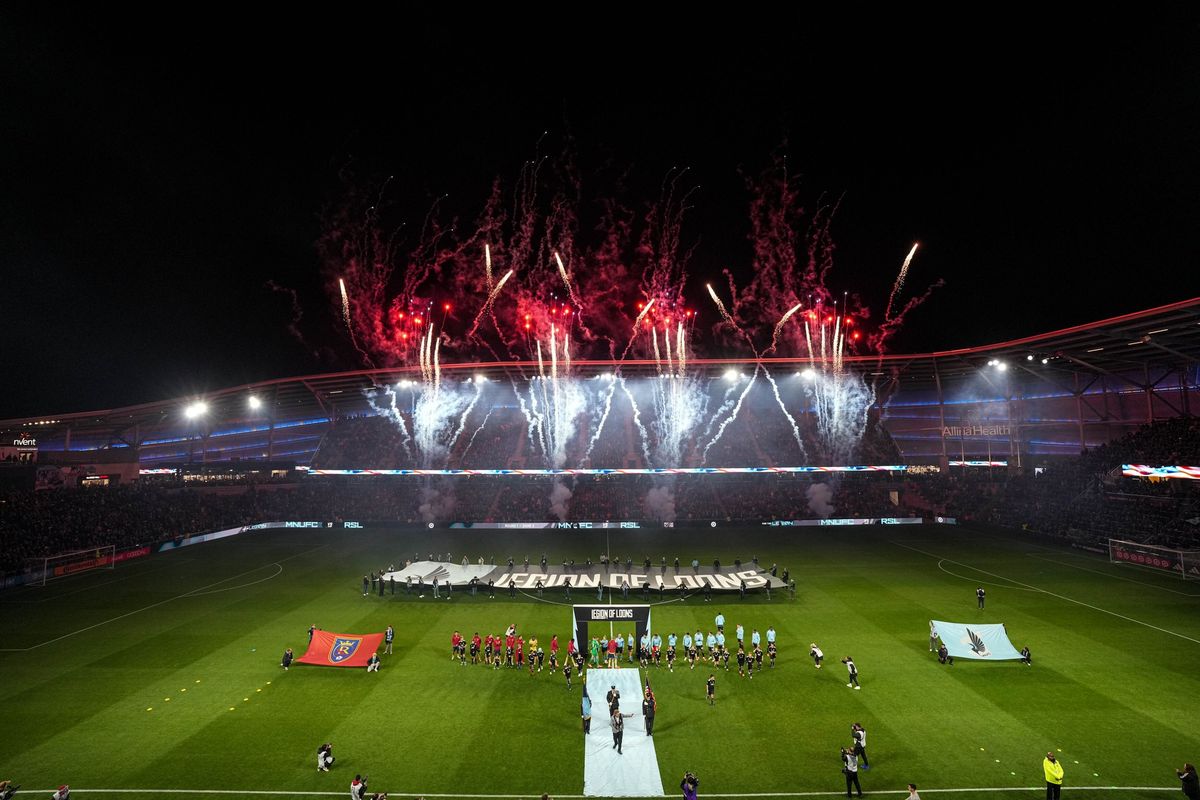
(42, 570)
(1184, 563)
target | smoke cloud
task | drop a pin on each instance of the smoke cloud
(820, 499)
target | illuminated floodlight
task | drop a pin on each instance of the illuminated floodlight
(404, 384)
(1000, 365)
(808, 373)
(481, 379)
(254, 403)
(1045, 361)
(197, 409)
(732, 375)
(1029, 357)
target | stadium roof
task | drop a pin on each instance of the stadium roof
(1141, 346)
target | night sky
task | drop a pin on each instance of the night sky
(158, 169)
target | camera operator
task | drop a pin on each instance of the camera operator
(850, 770)
(688, 785)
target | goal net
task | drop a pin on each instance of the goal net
(42, 570)
(1184, 563)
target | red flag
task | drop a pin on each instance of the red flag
(340, 649)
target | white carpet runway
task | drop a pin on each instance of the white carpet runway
(634, 773)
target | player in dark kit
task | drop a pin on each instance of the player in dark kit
(710, 689)
(671, 657)
(980, 596)
(567, 674)
(741, 659)
(758, 657)
(475, 648)
(771, 653)
(287, 658)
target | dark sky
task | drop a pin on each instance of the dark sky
(158, 169)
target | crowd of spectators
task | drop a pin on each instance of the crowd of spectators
(1079, 498)
(1085, 499)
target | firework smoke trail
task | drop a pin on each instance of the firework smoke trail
(791, 420)
(779, 327)
(567, 280)
(678, 403)
(391, 411)
(720, 306)
(462, 422)
(636, 323)
(637, 421)
(471, 442)
(841, 400)
(900, 281)
(726, 404)
(349, 327)
(487, 304)
(729, 319)
(553, 403)
(435, 407)
(608, 396)
(732, 416)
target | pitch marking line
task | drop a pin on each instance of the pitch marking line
(971, 790)
(31, 589)
(983, 583)
(278, 572)
(192, 593)
(1115, 577)
(1052, 594)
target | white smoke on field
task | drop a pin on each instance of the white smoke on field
(660, 504)
(560, 495)
(436, 504)
(820, 499)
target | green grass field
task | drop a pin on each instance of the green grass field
(164, 673)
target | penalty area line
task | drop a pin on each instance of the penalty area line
(1052, 594)
(192, 593)
(281, 793)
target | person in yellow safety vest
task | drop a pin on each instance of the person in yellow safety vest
(1054, 776)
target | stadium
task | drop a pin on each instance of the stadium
(159, 559)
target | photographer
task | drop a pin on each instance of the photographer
(8, 789)
(1189, 782)
(688, 785)
(850, 770)
(325, 757)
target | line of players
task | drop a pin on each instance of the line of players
(511, 651)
